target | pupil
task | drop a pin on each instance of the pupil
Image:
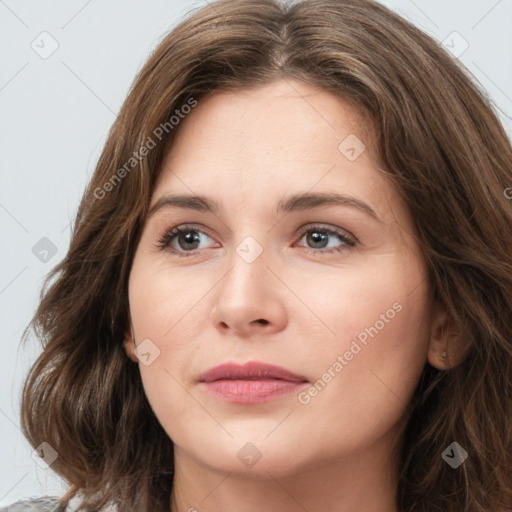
(190, 238)
(318, 238)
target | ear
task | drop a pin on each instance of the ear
(129, 346)
(448, 342)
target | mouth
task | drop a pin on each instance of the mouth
(252, 382)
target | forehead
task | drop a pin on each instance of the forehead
(250, 146)
(283, 114)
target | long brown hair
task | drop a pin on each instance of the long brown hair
(439, 141)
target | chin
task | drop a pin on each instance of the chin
(251, 452)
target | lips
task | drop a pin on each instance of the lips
(250, 383)
(250, 371)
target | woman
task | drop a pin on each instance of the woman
(338, 335)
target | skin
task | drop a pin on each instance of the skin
(291, 307)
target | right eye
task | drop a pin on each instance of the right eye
(182, 240)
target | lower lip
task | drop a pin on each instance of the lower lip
(251, 391)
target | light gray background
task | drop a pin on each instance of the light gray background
(54, 116)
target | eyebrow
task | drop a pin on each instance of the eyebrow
(293, 203)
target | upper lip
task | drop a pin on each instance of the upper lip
(252, 370)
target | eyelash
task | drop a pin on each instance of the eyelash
(165, 240)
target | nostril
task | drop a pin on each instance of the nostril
(262, 321)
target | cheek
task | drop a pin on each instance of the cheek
(167, 310)
(366, 373)
(166, 304)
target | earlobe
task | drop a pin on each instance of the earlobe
(448, 343)
(129, 347)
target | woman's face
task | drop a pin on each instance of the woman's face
(298, 255)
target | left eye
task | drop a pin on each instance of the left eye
(319, 237)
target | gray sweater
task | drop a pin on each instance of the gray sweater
(46, 504)
(49, 504)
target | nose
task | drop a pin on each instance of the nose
(249, 298)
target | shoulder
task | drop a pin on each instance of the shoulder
(45, 504)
